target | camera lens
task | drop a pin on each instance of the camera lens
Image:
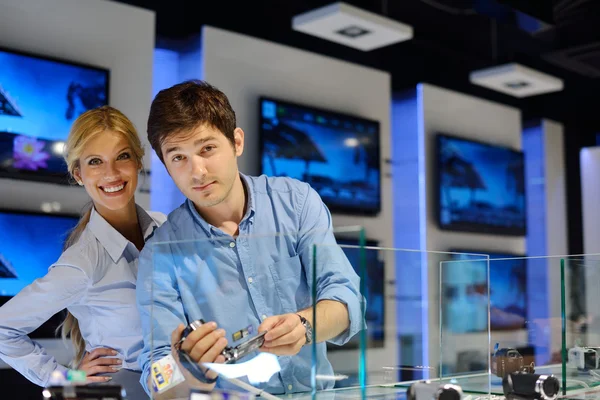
(550, 386)
(449, 393)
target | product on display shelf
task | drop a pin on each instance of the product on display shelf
(584, 358)
(523, 385)
(507, 361)
(428, 390)
(72, 385)
(220, 395)
(84, 392)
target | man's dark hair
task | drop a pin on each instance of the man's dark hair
(185, 107)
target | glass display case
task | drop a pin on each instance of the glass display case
(463, 318)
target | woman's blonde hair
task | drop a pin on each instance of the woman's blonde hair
(88, 126)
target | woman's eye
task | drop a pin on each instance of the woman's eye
(177, 158)
(124, 156)
(94, 161)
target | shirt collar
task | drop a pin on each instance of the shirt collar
(111, 239)
(250, 211)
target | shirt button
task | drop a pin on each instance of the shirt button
(290, 387)
(250, 280)
(232, 244)
(264, 317)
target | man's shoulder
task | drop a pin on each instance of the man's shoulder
(167, 230)
(264, 184)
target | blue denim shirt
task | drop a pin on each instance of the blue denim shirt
(192, 270)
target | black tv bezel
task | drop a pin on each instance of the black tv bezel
(371, 343)
(334, 209)
(509, 255)
(47, 329)
(56, 178)
(470, 227)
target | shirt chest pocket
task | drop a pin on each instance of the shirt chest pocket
(289, 284)
(286, 268)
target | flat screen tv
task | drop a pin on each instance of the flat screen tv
(40, 98)
(337, 154)
(375, 297)
(481, 187)
(29, 244)
(465, 287)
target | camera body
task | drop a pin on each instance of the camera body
(427, 390)
(231, 354)
(507, 360)
(523, 385)
(584, 358)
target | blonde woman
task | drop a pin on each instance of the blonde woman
(94, 278)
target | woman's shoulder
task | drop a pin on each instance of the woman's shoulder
(82, 255)
(158, 217)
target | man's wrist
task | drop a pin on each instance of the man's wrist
(308, 329)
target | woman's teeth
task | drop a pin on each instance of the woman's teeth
(113, 189)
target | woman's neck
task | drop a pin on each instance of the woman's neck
(125, 221)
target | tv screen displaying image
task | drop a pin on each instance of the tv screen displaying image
(481, 187)
(465, 288)
(29, 244)
(375, 297)
(40, 98)
(337, 154)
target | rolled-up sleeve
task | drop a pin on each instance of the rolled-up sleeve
(335, 276)
(62, 286)
(159, 304)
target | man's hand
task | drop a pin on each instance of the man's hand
(204, 345)
(285, 334)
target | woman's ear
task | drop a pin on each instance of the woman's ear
(77, 176)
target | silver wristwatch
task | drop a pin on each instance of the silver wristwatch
(309, 329)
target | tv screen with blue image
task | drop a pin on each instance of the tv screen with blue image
(465, 290)
(481, 187)
(337, 154)
(40, 98)
(375, 296)
(29, 244)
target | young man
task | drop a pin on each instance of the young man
(206, 264)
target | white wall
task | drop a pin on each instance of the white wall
(96, 32)
(446, 111)
(590, 193)
(245, 68)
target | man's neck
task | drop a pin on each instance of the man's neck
(228, 214)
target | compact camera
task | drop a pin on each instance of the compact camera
(584, 358)
(523, 385)
(231, 354)
(506, 361)
(428, 390)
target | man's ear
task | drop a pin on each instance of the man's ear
(238, 138)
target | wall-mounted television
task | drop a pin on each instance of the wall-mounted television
(29, 244)
(481, 187)
(40, 98)
(374, 295)
(337, 154)
(465, 292)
